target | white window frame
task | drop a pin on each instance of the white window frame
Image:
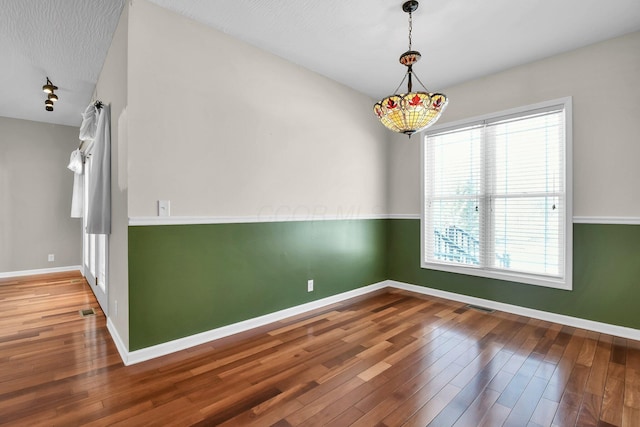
(566, 281)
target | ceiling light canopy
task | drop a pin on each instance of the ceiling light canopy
(411, 111)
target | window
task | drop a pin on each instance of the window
(497, 196)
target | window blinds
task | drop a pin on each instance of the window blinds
(495, 194)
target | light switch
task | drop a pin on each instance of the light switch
(164, 208)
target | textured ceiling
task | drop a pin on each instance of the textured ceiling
(66, 40)
(358, 42)
(355, 42)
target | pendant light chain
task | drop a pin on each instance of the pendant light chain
(410, 28)
(410, 70)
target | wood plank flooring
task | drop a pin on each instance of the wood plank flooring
(387, 359)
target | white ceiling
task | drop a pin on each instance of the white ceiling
(355, 42)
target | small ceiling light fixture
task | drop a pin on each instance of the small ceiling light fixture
(49, 88)
(410, 112)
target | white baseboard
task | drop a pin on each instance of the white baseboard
(117, 340)
(39, 271)
(606, 328)
(137, 356)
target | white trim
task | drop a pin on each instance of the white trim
(142, 355)
(117, 340)
(477, 120)
(40, 271)
(565, 280)
(186, 220)
(568, 183)
(624, 220)
(137, 356)
(403, 216)
(194, 220)
(528, 279)
(605, 328)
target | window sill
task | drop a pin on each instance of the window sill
(530, 279)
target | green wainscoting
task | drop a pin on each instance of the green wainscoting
(606, 282)
(186, 279)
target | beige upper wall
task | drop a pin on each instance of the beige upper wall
(112, 89)
(604, 81)
(221, 128)
(35, 196)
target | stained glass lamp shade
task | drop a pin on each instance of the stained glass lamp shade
(411, 111)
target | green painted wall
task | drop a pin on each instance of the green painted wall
(186, 279)
(606, 284)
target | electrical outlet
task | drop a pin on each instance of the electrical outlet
(310, 285)
(52, 257)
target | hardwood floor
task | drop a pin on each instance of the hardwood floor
(388, 359)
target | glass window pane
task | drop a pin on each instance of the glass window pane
(456, 231)
(528, 155)
(455, 162)
(526, 235)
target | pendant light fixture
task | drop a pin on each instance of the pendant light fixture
(411, 111)
(49, 89)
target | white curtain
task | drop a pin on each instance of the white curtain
(89, 125)
(88, 130)
(76, 165)
(99, 214)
